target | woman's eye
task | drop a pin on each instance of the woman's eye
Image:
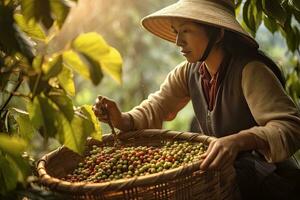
(185, 31)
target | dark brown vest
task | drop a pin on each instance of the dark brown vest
(231, 112)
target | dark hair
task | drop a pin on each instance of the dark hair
(234, 42)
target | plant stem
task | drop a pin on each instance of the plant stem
(10, 96)
(36, 84)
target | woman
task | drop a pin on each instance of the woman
(237, 95)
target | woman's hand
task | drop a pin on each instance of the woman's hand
(220, 152)
(105, 106)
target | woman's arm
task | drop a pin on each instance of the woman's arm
(277, 135)
(164, 104)
(274, 111)
(158, 107)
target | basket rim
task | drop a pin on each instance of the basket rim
(135, 181)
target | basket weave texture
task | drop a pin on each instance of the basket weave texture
(183, 183)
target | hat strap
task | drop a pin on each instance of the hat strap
(210, 44)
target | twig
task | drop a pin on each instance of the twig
(116, 142)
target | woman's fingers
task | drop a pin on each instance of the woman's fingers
(220, 152)
(210, 146)
(100, 108)
(217, 162)
(211, 154)
(107, 110)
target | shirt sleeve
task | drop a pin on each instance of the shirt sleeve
(277, 116)
(164, 104)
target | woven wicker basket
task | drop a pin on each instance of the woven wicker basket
(185, 182)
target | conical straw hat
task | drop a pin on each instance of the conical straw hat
(218, 13)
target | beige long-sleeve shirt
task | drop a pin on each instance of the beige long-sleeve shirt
(273, 110)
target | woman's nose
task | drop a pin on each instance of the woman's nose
(179, 40)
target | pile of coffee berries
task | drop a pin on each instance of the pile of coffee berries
(111, 163)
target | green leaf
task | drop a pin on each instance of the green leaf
(237, 3)
(90, 44)
(274, 9)
(13, 147)
(7, 142)
(291, 37)
(60, 10)
(66, 81)
(295, 4)
(297, 15)
(25, 128)
(42, 113)
(37, 63)
(31, 28)
(74, 134)
(97, 133)
(52, 67)
(63, 102)
(37, 84)
(72, 60)
(94, 49)
(38, 10)
(111, 63)
(246, 18)
(252, 15)
(8, 176)
(12, 39)
(94, 68)
(270, 24)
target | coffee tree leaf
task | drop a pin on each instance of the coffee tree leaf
(8, 176)
(96, 50)
(237, 3)
(96, 133)
(73, 61)
(13, 39)
(274, 9)
(94, 67)
(90, 44)
(39, 10)
(74, 134)
(248, 18)
(25, 128)
(111, 64)
(297, 15)
(37, 63)
(7, 142)
(251, 17)
(291, 38)
(257, 14)
(95, 47)
(66, 81)
(30, 27)
(60, 10)
(42, 114)
(295, 4)
(63, 103)
(52, 67)
(7, 37)
(270, 24)
(75, 138)
(13, 147)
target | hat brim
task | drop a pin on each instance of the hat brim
(159, 23)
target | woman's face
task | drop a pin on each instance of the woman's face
(191, 38)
